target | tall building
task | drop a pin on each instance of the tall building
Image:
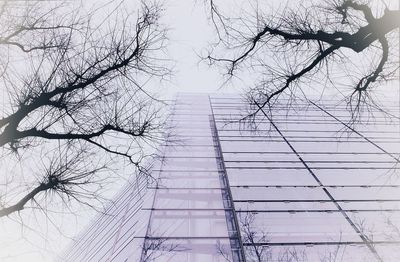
(300, 184)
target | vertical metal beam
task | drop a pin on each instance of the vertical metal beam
(230, 213)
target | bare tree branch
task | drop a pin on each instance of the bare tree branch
(284, 48)
(84, 89)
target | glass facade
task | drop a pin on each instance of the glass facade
(300, 184)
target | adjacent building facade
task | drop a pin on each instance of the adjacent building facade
(300, 184)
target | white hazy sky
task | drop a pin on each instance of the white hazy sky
(190, 32)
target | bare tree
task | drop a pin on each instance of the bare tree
(256, 241)
(154, 248)
(253, 237)
(75, 98)
(394, 228)
(309, 45)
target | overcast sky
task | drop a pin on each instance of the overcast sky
(190, 32)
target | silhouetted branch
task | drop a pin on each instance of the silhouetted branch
(83, 88)
(62, 175)
(309, 42)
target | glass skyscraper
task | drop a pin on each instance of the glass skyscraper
(300, 183)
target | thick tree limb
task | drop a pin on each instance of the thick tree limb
(358, 41)
(30, 196)
(367, 80)
(16, 135)
(84, 85)
(284, 41)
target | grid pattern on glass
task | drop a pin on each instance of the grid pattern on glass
(306, 184)
(116, 230)
(189, 216)
(183, 216)
(301, 185)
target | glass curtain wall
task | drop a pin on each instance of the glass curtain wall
(184, 214)
(308, 185)
(300, 183)
(192, 216)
